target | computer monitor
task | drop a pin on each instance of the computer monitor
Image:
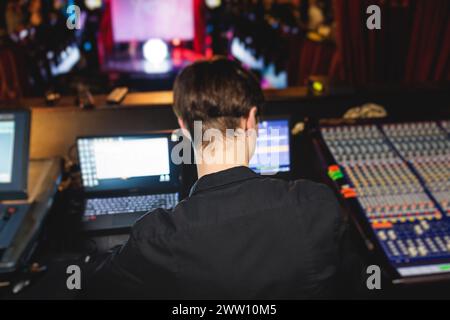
(272, 154)
(117, 163)
(14, 151)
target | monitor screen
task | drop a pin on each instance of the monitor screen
(272, 154)
(140, 20)
(6, 150)
(115, 163)
(14, 148)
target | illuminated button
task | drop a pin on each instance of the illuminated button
(381, 225)
(382, 235)
(423, 251)
(392, 235)
(412, 251)
(440, 243)
(418, 230)
(425, 225)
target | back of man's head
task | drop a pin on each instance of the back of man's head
(218, 92)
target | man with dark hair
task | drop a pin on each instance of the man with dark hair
(238, 235)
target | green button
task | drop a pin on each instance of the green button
(445, 267)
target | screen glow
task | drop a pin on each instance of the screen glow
(140, 20)
(6, 150)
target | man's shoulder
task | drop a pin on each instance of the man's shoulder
(302, 196)
(153, 224)
(302, 189)
(307, 198)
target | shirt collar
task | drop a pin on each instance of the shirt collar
(222, 178)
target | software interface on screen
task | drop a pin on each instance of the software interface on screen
(123, 158)
(272, 152)
(140, 20)
(6, 149)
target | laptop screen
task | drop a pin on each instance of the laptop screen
(272, 154)
(125, 162)
(14, 148)
(6, 149)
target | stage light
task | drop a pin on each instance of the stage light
(176, 42)
(155, 51)
(213, 4)
(317, 86)
(87, 46)
(93, 4)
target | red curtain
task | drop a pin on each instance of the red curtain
(429, 51)
(309, 58)
(412, 45)
(13, 82)
(200, 25)
(105, 35)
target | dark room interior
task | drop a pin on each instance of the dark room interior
(351, 98)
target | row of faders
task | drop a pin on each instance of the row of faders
(446, 126)
(407, 223)
(427, 147)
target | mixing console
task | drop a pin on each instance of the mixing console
(427, 148)
(402, 210)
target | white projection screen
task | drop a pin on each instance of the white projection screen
(140, 20)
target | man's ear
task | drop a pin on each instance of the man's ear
(181, 123)
(251, 122)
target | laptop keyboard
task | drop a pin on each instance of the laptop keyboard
(131, 204)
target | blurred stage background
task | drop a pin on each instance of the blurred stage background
(142, 44)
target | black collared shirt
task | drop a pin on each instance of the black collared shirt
(238, 235)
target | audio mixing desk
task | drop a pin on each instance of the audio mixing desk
(396, 177)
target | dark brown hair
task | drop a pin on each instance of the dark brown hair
(217, 92)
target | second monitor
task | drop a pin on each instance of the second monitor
(272, 154)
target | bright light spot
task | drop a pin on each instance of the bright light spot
(93, 4)
(239, 51)
(157, 68)
(155, 51)
(176, 42)
(212, 4)
(87, 46)
(23, 34)
(317, 86)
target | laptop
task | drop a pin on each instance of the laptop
(14, 148)
(273, 148)
(125, 177)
